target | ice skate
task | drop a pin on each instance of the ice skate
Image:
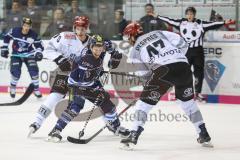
(121, 131)
(204, 139)
(129, 142)
(117, 129)
(13, 91)
(37, 93)
(33, 128)
(54, 136)
(200, 98)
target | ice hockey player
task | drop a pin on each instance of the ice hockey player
(163, 53)
(62, 49)
(26, 48)
(84, 84)
(193, 30)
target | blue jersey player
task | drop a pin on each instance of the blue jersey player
(85, 84)
(26, 48)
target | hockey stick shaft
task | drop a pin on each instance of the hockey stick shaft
(85, 141)
(25, 96)
(81, 133)
(122, 74)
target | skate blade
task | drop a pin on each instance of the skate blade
(31, 131)
(53, 139)
(126, 146)
(207, 145)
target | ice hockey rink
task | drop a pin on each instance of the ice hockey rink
(162, 139)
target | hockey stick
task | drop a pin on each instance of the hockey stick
(122, 74)
(81, 133)
(85, 141)
(25, 96)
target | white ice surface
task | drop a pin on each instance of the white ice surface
(161, 140)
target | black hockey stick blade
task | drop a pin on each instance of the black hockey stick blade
(85, 141)
(25, 96)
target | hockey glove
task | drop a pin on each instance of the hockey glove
(114, 60)
(109, 46)
(63, 63)
(4, 51)
(38, 56)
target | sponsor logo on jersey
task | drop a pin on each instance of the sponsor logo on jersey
(69, 36)
(170, 52)
(213, 73)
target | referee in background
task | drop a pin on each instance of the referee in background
(193, 30)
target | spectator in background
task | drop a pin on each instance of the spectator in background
(34, 12)
(219, 18)
(74, 11)
(105, 23)
(119, 25)
(149, 22)
(3, 28)
(59, 24)
(14, 16)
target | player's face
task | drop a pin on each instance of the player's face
(25, 28)
(190, 16)
(97, 50)
(80, 30)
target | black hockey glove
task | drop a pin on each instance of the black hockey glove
(38, 56)
(4, 52)
(63, 63)
(115, 59)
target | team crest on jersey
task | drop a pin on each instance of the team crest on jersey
(154, 95)
(30, 40)
(188, 92)
(22, 46)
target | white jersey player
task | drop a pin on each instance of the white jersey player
(163, 54)
(62, 49)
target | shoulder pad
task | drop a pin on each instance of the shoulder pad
(33, 33)
(16, 30)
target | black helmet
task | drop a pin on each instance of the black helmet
(191, 9)
(27, 20)
(97, 40)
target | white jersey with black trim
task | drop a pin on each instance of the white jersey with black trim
(159, 48)
(66, 44)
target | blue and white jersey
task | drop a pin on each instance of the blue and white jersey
(23, 44)
(88, 71)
